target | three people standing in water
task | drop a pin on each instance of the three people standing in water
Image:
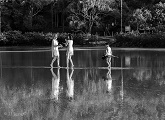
(70, 52)
(55, 50)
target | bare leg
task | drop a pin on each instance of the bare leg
(107, 61)
(70, 58)
(54, 59)
(58, 61)
(67, 61)
(110, 62)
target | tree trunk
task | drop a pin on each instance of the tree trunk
(63, 10)
(137, 25)
(30, 19)
(0, 17)
(90, 27)
(57, 19)
(52, 16)
(63, 21)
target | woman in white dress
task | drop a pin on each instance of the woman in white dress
(55, 84)
(69, 53)
(55, 51)
(70, 84)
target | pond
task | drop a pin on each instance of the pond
(132, 89)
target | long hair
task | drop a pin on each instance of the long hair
(56, 35)
(70, 37)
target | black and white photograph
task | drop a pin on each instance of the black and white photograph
(82, 59)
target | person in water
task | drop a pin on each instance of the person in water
(108, 55)
(69, 53)
(55, 50)
(55, 84)
(109, 81)
(70, 84)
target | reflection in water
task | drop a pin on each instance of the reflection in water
(127, 61)
(55, 84)
(122, 82)
(70, 84)
(136, 94)
(109, 80)
(108, 59)
(20, 103)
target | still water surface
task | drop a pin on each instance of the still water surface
(132, 89)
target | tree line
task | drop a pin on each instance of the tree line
(86, 16)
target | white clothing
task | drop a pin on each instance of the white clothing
(55, 87)
(70, 47)
(108, 51)
(109, 84)
(109, 81)
(70, 84)
(55, 48)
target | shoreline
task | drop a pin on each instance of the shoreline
(76, 48)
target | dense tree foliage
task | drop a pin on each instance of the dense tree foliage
(20, 15)
(80, 15)
(141, 16)
(86, 13)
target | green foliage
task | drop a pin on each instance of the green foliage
(3, 39)
(17, 38)
(79, 39)
(141, 18)
(35, 38)
(86, 13)
(14, 37)
(39, 23)
(140, 40)
(158, 13)
(23, 15)
(149, 17)
(135, 4)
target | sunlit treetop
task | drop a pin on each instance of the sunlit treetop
(100, 4)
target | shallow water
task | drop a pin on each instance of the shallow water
(132, 89)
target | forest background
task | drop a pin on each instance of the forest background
(33, 22)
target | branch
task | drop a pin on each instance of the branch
(80, 14)
(76, 31)
(85, 15)
(36, 12)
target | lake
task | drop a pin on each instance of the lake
(133, 88)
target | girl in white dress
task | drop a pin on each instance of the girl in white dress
(55, 51)
(69, 53)
(108, 55)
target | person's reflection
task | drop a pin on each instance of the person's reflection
(55, 84)
(108, 81)
(70, 84)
